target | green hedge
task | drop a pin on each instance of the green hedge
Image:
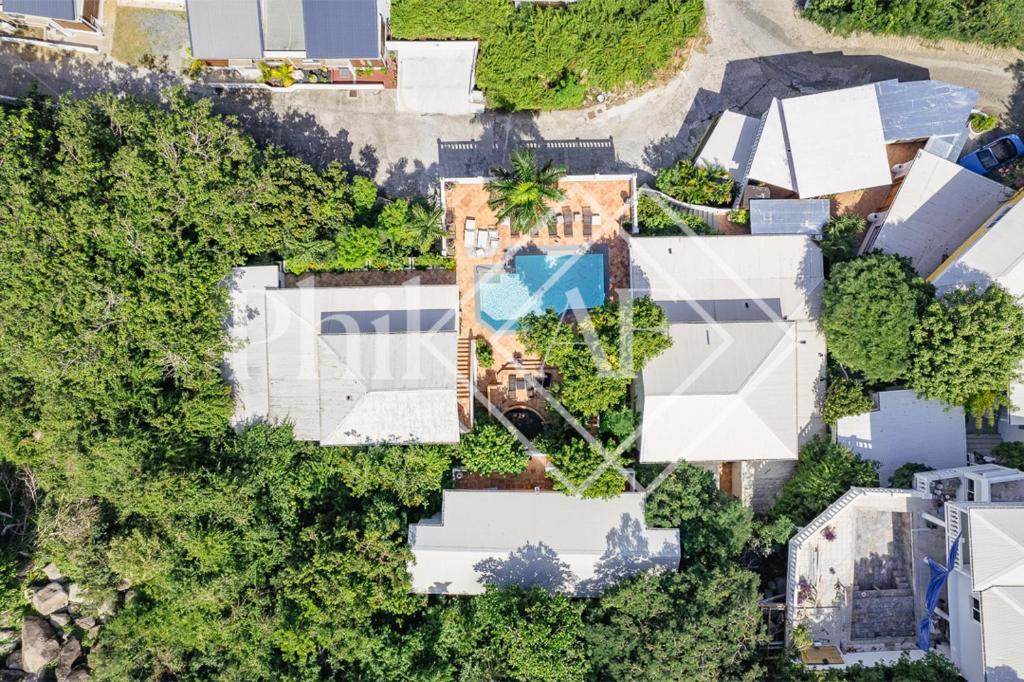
(992, 22)
(550, 57)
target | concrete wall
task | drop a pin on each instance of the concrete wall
(762, 480)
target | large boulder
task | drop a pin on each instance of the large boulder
(49, 598)
(75, 595)
(39, 644)
(69, 653)
(14, 661)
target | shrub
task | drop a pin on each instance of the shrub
(982, 123)
(1010, 454)
(984, 407)
(800, 636)
(839, 238)
(870, 307)
(619, 423)
(903, 477)
(845, 398)
(484, 352)
(740, 216)
(968, 342)
(824, 472)
(577, 461)
(695, 184)
(490, 448)
(657, 221)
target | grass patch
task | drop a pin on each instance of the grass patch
(148, 37)
(550, 57)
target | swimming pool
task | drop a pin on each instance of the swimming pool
(557, 280)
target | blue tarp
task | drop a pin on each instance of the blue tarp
(931, 598)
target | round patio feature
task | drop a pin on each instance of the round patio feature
(526, 420)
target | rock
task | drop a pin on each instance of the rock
(105, 609)
(14, 660)
(39, 644)
(61, 619)
(69, 653)
(9, 640)
(75, 595)
(52, 572)
(128, 596)
(78, 675)
(93, 632)
(85, 622)
(13, 676)
(123, 584)
(50, 598)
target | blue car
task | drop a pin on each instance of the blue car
(994, 155)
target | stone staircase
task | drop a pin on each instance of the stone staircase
(883, 613)
(463, 377)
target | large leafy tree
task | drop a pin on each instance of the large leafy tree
(702, 625)
(869, 309)
(969, 342)
(524, 192)
(490, 448)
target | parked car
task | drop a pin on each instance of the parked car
(994, 155)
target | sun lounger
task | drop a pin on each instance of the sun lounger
(567, 221)
(493, 240)
(482, 238)
(469, 238)
(587, 223)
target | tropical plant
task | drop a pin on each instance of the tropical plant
(800, 637)
(696, 184)
(1010, 454)
(968, 342)
(982, 122)
(282, 75)
(870, 308)
(490, 448)
(522, 193)
(845, 398)
(424, 222)
(661, 221)
(825, 470)
(584, 469)
(839, 236)
(740, 216)
(484, 352)
(903, 477)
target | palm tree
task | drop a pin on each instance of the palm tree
(425, 223)
(521, 193)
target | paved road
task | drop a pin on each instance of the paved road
(754, 50)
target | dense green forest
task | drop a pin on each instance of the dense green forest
(993, 22)
(550, 57)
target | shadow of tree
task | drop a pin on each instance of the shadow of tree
(529, 566)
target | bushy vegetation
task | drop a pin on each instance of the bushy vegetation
(692, 183)
(982, 123)
(550, 57)
(993, 22)
(587, 470)
(490, 448)
(870, 309)
(824, 472)
(839, 238)
(655, 221)
(903, 477)
(484, 352)
(845, 398)
(934, 667)
(596, 378)
(969, 342)
(1010, 454)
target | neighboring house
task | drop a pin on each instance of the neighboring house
(345, 365)
(834, 142)
(904, 428)
(62, 15)
(936, 206)
(789, 216)
(857, 574)
(994, 253)
(536, 539)
(739, 389)
(332, 33)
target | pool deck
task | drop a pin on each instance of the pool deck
(609, 197)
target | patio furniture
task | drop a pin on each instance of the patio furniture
(469, 238)
(567, 221)
(493, 240)
(588, 222)
(482, 239)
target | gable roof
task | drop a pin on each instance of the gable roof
(54, 9)
(729, 143)
(770, 161)
(997, 545)
(342, 29)
(346, 365)
(937, 207)
(225, 29)
(549, 540)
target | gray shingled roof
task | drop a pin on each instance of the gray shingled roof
(55, 9)
(342, 29)
(225, 29)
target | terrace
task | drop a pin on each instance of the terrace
(578, 259)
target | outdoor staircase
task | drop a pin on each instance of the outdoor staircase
(982, 443)
(464, 368)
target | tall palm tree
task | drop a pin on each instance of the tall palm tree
(425, 223)
(521, 193)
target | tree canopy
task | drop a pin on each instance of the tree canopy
(870, 308)
(524, 192)
(969, 342)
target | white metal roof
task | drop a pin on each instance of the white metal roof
(1002, 613)
(938, 206)
(997, 545)
(722, 392)
(345, 388)
(759, 273)
(906, 428)
(771, 162)
(997, 255)
(547, 539)
(789, 216)
(730, 143)
(437, 76)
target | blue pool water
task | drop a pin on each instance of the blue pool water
(553, 280)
